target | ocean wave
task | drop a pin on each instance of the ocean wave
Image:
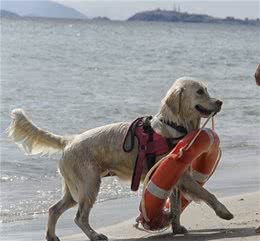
(242, 145)
(7, 216)
(37, 198)
(6, 178)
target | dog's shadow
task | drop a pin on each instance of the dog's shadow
(202, 235)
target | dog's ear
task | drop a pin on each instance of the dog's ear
(173, 100)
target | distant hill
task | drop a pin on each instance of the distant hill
(101, 19)
(41, 8)
(174, 16)
(8, 14)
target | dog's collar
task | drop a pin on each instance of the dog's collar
(173, 125)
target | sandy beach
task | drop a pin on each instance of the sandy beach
(116, 218)
(201, 222)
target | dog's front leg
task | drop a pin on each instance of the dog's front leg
(196, 192)
(175, 201)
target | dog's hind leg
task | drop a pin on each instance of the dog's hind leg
(87, 196)
(56, 211)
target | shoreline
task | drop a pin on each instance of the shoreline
(216, 190)
(111, 217)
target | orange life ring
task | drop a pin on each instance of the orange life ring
(202, 156)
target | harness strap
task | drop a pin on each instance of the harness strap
(138, 169)
(150, 151)
(131, 131)
(178, 128)
(150, 144)
(144, 134)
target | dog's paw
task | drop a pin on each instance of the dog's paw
(179, 229)
(224, 213)
(99, 237)
(51, 238)
(227, 215)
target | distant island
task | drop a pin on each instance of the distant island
(8, 14)
(159, 15)
(54, 10)
(39, 8)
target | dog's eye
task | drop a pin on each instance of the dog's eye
(200, 92)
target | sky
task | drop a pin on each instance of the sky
(123, 9)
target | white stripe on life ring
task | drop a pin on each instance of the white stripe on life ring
(157, 191)
(198, 176)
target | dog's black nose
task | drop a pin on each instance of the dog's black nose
(219, 103)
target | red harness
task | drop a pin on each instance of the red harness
(150, 145)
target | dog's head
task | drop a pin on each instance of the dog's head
(189, 99)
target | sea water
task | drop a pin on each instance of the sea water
(71, 76)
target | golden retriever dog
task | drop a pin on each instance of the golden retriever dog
(89, 156)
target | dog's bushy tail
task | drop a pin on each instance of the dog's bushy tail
(30, 138)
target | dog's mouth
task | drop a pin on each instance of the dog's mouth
(205, 112)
